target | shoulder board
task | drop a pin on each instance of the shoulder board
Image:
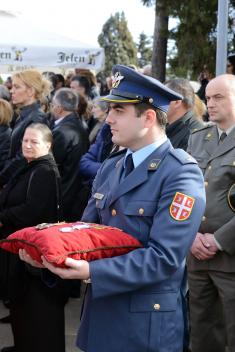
(183, 157)
(208, 125)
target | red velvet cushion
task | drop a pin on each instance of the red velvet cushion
(77, 240)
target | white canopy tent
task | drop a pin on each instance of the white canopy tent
(22, 46)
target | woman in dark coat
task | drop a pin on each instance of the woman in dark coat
(5, 138)
(28, 89)
(5, 131)
(30, 198)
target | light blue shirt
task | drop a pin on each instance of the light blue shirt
(140, 155)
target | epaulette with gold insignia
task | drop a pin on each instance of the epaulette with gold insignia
(182, 156)
(207, 125)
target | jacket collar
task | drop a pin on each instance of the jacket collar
(220, 149)
(25, 110)
(212, 146)
(173, 128)
(67, 118)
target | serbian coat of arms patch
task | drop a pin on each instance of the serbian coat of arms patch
(181, 206)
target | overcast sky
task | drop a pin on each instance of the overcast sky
(82, 19)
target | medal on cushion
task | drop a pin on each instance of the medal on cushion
(66, 229)
(78, 226)
(81, 226)
(46, 225)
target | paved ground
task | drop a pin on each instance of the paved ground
(72, 313)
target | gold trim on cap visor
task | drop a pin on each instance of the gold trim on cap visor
(120, 100)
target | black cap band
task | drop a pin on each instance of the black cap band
(127, 95)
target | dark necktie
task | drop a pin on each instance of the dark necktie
(222, 137)
(129, 165)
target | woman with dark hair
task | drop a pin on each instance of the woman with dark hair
(30, 198)
(91, 78)
(231, 64)
(81, 86)
(84, 87)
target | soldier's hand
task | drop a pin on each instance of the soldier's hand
(26, 258)
(210, 239)
(201, 248)
(77, 269)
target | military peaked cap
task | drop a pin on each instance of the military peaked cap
(130, 86)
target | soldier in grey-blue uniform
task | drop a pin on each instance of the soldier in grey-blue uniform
(155, 193)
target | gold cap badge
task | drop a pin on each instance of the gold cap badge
(116, 79)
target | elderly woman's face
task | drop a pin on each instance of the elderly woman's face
(98, 113)
(21, 94)
(33, 145)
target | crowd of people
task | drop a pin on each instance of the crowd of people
(155, 160)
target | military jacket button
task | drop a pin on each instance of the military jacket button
(141, 211)
(203, 218)
(114, 213)
(209, 167)
(156, 306)
(206, 183)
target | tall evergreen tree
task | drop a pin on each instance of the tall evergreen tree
(160, 36)
(195, 37)
(117, 42)
(144, 48)
(231, 44)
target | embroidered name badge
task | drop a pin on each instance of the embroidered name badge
(181, 206)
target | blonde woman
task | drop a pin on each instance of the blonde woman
(29, 88)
